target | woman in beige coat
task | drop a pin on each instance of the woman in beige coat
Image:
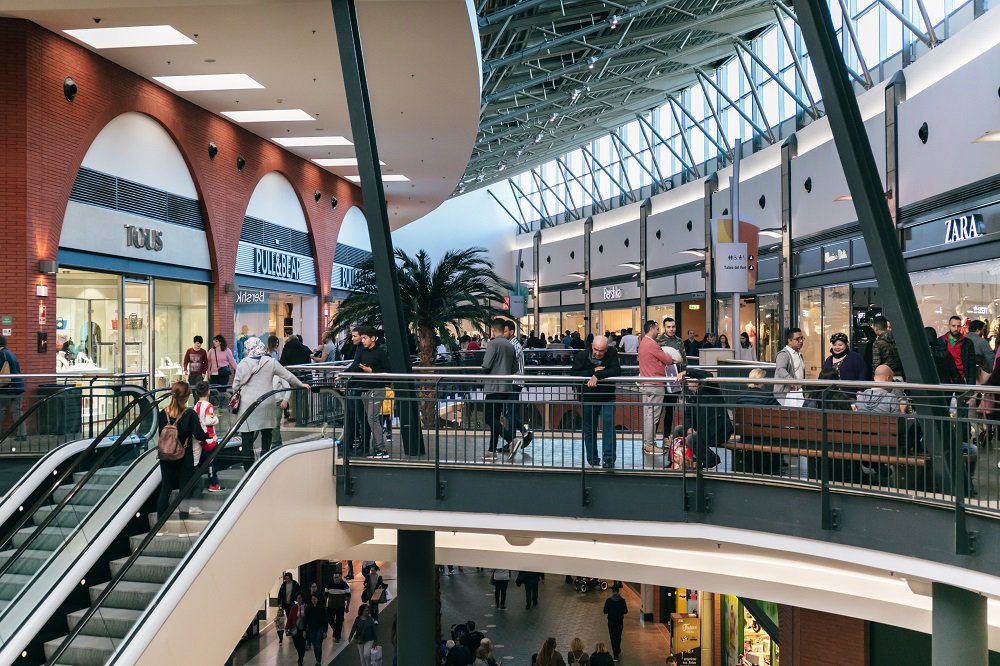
(255, 377)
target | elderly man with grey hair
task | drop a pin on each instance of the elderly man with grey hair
(598, 364)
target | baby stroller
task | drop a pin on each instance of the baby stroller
(584, 584)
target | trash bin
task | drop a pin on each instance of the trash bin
(59, 414)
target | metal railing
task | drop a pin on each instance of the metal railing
(41, 411)
(936, 444)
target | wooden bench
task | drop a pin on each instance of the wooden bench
(763, 435)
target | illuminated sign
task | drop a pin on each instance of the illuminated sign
(275, 264)
(963, 228)
(612, 293)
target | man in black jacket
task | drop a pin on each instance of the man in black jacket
(371, 358)
(598, 397)
(705, 417)
(338, 599)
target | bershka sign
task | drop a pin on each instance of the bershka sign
(250, 296)
(143, 239)
(275, 264)
(612, 293)
(963, 228)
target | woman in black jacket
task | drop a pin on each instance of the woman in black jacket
(175, 474)
(705, 415)
(316, 625)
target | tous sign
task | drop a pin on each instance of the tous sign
(143, 239)
(611, 293)
(963, 228)
(275, 264)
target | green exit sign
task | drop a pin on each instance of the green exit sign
(6, 320)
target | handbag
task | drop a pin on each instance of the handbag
(223, 371)
(234, 401)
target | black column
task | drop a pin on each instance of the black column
(711, 187)
(416, 644)
(352, 63)
(841, 106)
(789, 151)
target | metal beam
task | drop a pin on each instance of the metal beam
(665, 143)
(849, 24)
(754, 92)
(811, 110)
(796, 61)
(683, 109)
(373, 196)
(715, 117)
(522, 224)
(508, 12)
(525, 197)
(865, 185)
(910, 25)
(766, 133)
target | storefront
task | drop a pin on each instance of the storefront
(275, 268)
(133, 284)
(749, 632)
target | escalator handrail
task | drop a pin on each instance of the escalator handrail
(101, 458)
(217, 522)
(161, 520)
(12, 604)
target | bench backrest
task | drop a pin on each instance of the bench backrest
(805, 426)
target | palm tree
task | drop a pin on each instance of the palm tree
(463, 286)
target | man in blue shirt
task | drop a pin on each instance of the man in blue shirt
(11, 389)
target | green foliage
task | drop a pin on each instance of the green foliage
(463, 286)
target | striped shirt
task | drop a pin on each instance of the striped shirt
(518, 354)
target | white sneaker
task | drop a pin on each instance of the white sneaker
(195, 511)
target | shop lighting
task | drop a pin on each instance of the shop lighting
(844, 197)
(386, 178)
(614, 21)
(993, 136)
(196, 82)
(694, 253)
(267, 116)
(131, 36)
(770, 234)
(340, 162)
(591, 61)
(48, 267)
(530, 283)
(634, 265)
(306, 141)
(582, 276)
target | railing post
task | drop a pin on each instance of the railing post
(958, 425)
(438, 483)
(824, 468)
(345, 443)
(700, 497)
(90, 408)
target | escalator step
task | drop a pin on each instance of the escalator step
(147, 568)
(113, 622)
(11, 584)
(127, 594)
(70, 516)
(89, 495)
(29, 562)
(84, 650)
(168, 545)
(109, 473)
(49, 539)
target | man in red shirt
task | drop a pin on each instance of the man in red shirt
(195, 363)
(961, 349)
(653, 362)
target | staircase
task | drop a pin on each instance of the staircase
(51, 538)
(97, 642)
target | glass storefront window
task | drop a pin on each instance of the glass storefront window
(549, 325)
(769, 333)
(659, 312)
(280, 314)
(136, 325)
(836, 313)
(181, 313)
(971, 291)
(613, 321)
(573, 321)
(811, 322)
(87, 318)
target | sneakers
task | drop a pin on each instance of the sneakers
(381, 453)
(490, 455)
(215, 488)
(527, 437)
(608, 464)
(518, 443)
(648, 448)
(194, 511)
(505, 448)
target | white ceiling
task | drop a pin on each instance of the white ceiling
(422, 61)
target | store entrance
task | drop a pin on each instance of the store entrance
(136, 325)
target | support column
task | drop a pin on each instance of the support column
(644, 211)
(895, 93)
(711, 186)
(536, 256)
(958, 627)
(588, 229)
(416, 644)
(397, 338)
(789, 151)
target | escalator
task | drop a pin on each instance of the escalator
(123, 560)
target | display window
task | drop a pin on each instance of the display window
(614, 321)
(745, 641)
(658, 312)
(970, 291)
(261, 313)
(769, 333)
(111, 323)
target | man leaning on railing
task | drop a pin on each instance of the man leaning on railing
(597, 363)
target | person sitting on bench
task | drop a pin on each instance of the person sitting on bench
(879, 400)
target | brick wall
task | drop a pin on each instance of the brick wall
(43, 139)
(814, 638)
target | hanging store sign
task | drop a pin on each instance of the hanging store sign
(963, 228)
(250, 296)
(732, 261)
(275, 264)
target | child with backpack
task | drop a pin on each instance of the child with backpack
(208, 420)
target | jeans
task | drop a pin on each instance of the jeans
(496, 403)
(336, 617)
(652, 406)
(500, 592)
(316, 638)
(606, 412)
(512, 411)
(248, 440)
(299, 640)
(615, 633)
(174, 475)
(530, 593)
(365, 652)
(12, 404)
(669, 400)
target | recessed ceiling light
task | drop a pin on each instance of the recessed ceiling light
(988, 137)
(340, 162)
(130, 37)
(386, 178)
(300, 141)
(267, 116)
(208, 82)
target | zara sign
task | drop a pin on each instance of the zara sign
(963, 228)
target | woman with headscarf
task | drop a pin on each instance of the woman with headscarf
(255, 376)
(849, 364)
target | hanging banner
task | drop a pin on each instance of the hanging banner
(749, 236)
(731, 267)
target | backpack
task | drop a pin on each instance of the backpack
(5, 370)
(169, 448)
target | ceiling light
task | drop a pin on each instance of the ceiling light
(989, 137)
(591, 61)
(386, 178)
(267, 116)
(194, 82)
(130, 37)
(634, 265)
(614, 21)
(582, 276)
(844, 197)
(771, 234)
(528, 282)
(303, 141)
(340, 161)
(695, 253)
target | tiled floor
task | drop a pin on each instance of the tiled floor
(466, 594)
